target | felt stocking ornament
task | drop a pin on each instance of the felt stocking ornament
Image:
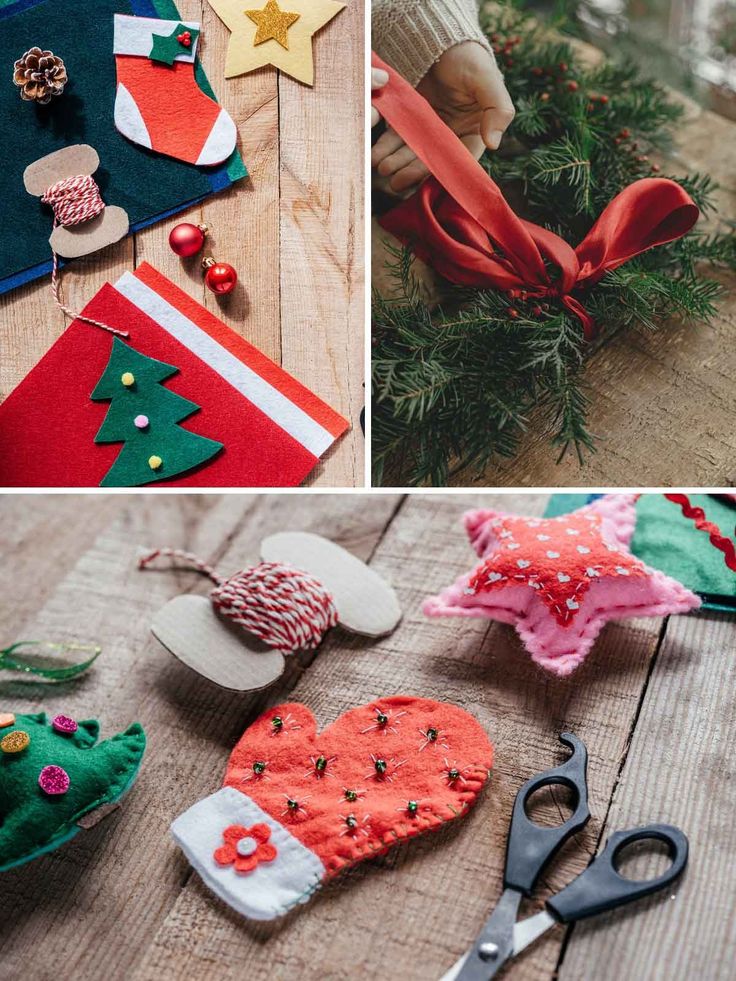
(558, 580)
(297, 806)
(54, 776)
(158, 103)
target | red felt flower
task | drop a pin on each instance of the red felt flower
(245, 848)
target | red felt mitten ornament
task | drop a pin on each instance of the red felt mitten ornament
(297, 806)
(559, 580)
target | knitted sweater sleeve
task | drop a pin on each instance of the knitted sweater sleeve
(411, 35)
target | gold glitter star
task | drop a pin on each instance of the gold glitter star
(272, 22)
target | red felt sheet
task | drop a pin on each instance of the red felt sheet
(48, 423)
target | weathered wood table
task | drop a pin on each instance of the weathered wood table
(654, 702)
(293, 231)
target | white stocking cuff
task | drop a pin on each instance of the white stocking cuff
(272, 888)
(134, 35)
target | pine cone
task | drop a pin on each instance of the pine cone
(39, 75)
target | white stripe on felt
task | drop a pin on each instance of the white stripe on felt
(128, 118)
(220, 142)
(134, 35)
(269, 400)
(272, 888)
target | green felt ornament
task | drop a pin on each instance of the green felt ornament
(34, 820)
(145, 415)
(166, 48)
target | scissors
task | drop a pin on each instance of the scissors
(529, 848)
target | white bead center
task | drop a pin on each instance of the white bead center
(246, 846)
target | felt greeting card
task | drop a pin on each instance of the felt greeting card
(182, 399)
(146, 183)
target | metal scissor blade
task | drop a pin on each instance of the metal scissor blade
(493, 946)
(531, 929)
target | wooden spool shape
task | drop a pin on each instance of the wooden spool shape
(77, 240)
(226, 654)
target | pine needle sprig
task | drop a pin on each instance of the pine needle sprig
(456, 384)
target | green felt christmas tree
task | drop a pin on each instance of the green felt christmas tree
(52, 774)
(145, 416)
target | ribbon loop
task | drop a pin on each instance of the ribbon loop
(459, 223)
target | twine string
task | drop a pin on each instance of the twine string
(286, 608)
(74, 200)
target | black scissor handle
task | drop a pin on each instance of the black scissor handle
(601, 887)
(530, 846)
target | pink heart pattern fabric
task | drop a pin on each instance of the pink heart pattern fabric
(559, 580)
(298, 806)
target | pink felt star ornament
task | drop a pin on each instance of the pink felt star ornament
(559, 580)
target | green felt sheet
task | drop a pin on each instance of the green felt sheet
(144, 183)
(32, 822)
(179, 449)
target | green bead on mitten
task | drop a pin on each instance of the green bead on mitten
(52, 774)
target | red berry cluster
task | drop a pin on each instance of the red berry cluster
(185, 39)
(558, 74)
(631, 146)
(503, 48)
(537, 310)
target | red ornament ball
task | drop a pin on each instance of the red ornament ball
(186, 239)
(220, 277)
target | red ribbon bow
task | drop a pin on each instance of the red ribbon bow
(459, 223)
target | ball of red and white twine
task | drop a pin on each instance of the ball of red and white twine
(286, 608)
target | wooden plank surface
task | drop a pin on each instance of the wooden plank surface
(299, 300)
(679, 769)
(657, 717)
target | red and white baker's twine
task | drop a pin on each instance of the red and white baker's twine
(286, 608)
(74, 200)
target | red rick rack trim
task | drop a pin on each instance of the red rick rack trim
(697, 516)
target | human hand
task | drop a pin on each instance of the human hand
(378, 79)
(467, 90)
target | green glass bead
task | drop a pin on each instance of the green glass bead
(453, 774)
(277, 722)
(432, 735)
(351, 821)
(412, 807)
(382, 719)
(320, 764)
(381, 766)
(351, 795)
(258, 767)
(293, 805)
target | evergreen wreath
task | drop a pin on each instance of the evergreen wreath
(453, 385)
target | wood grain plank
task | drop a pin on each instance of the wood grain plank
(679, 769)
(117, 882)
(411, 913)
(322, 214)
(42, 537)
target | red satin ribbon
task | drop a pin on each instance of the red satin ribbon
(459, 223)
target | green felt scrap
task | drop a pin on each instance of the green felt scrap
(166, 48)
(178, 448)
(31, 821)
(666, 540)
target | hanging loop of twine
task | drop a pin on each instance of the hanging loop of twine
(286, 608)
(74, 200)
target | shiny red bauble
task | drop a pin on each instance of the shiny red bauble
(186, 239)
(220, 277)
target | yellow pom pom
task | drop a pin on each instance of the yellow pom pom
(154, 462)
(127, 378)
